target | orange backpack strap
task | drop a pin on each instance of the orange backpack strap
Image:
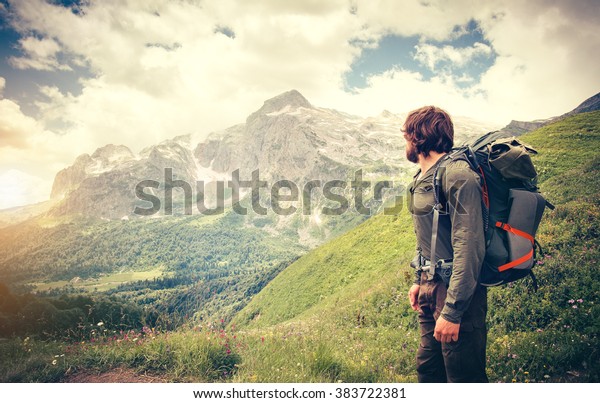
(506, 227)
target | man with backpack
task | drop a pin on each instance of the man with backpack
(449, 226)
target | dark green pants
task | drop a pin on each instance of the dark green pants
(459, 361)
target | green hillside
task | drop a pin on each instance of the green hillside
(337, 273)
(173, 268)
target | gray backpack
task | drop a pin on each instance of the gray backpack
(511, 203)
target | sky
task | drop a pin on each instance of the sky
(76, 75)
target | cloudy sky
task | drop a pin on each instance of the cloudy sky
(76, 75)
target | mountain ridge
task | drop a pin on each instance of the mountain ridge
(286, 138)
(516, 127)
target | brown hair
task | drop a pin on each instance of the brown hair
(429, 129)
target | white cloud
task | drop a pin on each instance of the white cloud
(18, 188)
(40, 54)
(15, 127)
(545, 64)
(162, 70)
(431, 55)
(30, 155)
(401, 91)
(427, 19)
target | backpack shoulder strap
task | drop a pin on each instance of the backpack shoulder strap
(436, 217)
(467, 154)
(463, 153)
(439, 200)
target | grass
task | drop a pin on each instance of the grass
(329, 276)
(27, 360)
(565, 145)
(304, 354)
(186, 356)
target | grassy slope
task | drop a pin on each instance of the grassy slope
(337, 273)
(565, 145)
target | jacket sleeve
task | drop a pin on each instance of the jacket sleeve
(463, 192)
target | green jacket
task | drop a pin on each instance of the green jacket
(461, 233)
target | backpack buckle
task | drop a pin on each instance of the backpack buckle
(443, 268)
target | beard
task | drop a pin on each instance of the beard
(411, 153)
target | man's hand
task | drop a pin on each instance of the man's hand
(445, 331)
(413, 295)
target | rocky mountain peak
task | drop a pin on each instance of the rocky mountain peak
(104, 159)
(68, 178)
(83, 160)
(111, 152)
(290, 100)
(387, 114)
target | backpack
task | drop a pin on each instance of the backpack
(511, 203)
